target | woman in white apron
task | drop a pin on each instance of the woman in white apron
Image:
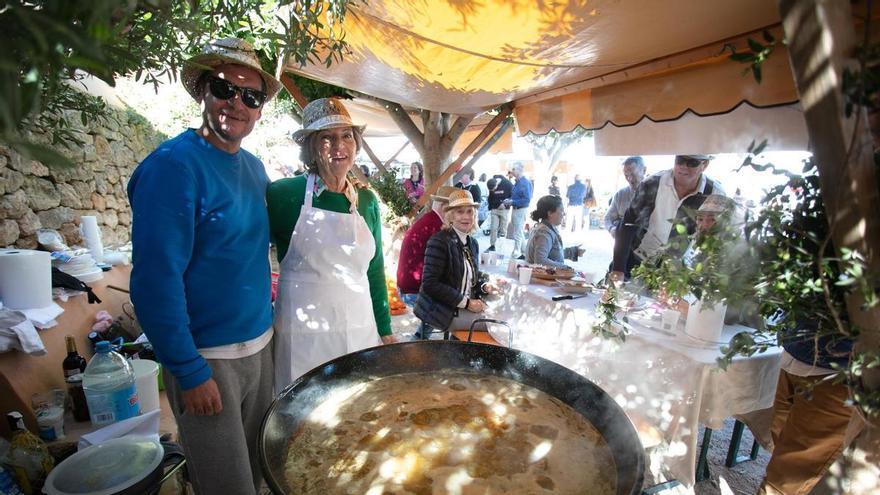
(332, 298)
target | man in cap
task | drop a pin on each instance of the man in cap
(412, 250)
(660, 202)
(200, 280)
(634, 173)
(520, 199)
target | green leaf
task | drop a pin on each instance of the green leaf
(768, 37)
(755, 46)
(680, 229)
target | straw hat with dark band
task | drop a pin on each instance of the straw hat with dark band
(323, 113)
(459, 199)
(224, 51)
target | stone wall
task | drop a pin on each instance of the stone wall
(34, 195)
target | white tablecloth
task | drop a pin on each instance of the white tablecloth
(667, 384)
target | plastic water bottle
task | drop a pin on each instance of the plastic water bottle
(109, 384)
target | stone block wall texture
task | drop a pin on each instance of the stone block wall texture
(34, 195)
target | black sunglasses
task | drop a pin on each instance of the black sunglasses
(690, 162)
(224, 90)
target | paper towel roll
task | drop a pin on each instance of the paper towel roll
(25, 278)
(91, 234)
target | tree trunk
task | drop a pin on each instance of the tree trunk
(843, 152)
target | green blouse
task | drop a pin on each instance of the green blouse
(285, 199)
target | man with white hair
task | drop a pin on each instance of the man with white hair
(634, 173)
(520, 198)
(412, 249)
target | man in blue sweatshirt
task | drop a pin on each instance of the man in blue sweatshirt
(520, 198)
(200, 280)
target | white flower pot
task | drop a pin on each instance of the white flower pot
(705, 322)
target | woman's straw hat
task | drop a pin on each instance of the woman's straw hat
(460, 198)
(323, 113)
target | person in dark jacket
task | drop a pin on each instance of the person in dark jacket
(500, 189)
(449, 297)
(467, 183)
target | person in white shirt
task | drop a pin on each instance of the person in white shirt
(660, 202)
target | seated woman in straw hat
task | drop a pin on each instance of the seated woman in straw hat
(332, 298)
(449, 297)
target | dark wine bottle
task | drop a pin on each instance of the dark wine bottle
(73, 363)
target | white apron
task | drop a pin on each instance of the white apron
(323, 309)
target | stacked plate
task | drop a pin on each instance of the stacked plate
(78, 263)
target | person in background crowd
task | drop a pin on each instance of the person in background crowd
(660, 202)
(634, 173)
(414, 185)
(332, 298)
(412, 250)
(483, 211)
(500, 190)
(200, 233)
(545, 243)
(520, 199)
(467, 183)
(553, 190)
(451, 289)
(589, 203)
(575, 194)
(366, 170)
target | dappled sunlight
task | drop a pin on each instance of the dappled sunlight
(453, 432)
(667, 383)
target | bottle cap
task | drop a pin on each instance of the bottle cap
(102, 347)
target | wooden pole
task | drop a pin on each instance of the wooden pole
(487, 145)
(293, 89)
(373, 157)
(843, 152)
(388, 162)
(503, 113)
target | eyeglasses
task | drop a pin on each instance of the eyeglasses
(690, 162)
(224, 90)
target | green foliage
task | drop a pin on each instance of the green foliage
(606, 323)
(314, 90)
(391, 193)
(713, 266)
(755, 56)
(51, 44)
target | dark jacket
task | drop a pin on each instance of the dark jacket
(439, 294)
(500, 193)
(473, 188)
(825, 352)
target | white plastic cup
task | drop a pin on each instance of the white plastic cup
(511, 266)
(525, 275)
(146, 376)
(669, 319)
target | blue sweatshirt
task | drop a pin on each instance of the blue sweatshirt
(200, 235)
(576, 193)
(521, 195)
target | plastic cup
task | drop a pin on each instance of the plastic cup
(669, 319)
(146, 374)
(525, 275)
(511, 266)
